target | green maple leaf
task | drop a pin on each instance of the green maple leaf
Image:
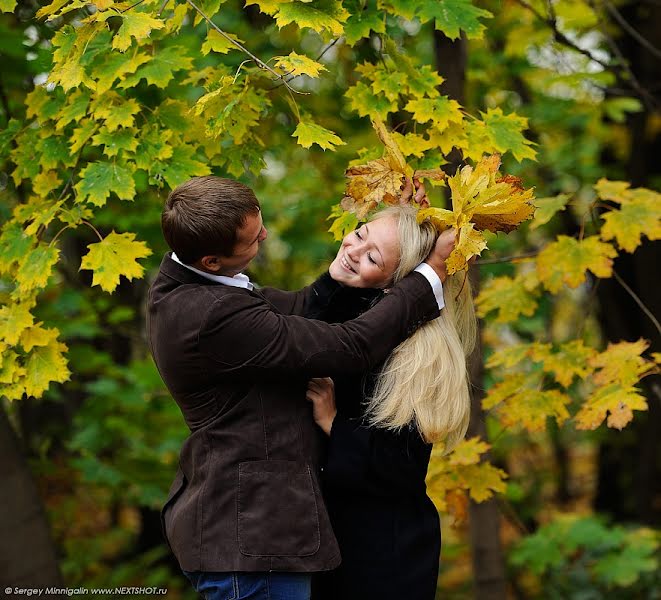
(441, 111)
(99, 179)
(116, 65)
(390, 84)
(367, 104)
(54, 150)
(218, 43)
(344, 222)
(14, 245)
(360, 24)
(7, 5)
(159, 71)
(453, 16)
(75, 109)
(181, 166)
(116, 255)
(113, 142)
(506, 133)
(82, 134)
(319, 15)
(154, 145)
(510, 297)
(546, 208)
(42, 104)
(116, 111)
(34, 269)
(308, 133)
(14, 318)
(136, 25)
(44, 365)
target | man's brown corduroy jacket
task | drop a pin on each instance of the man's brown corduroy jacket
(246, 495)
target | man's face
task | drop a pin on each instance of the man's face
(248, 237)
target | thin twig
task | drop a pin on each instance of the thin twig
(94, 229)
(493, 261)
(617, 15)
(138, 3)
(288, 79)
(165, 3)
(638, 301)
(241, 47)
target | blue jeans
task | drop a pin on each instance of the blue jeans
(251, 586)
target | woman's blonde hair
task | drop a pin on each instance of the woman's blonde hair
(425, 380)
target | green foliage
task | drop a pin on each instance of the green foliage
(581, 557)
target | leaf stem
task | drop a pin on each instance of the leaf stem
(94, 229)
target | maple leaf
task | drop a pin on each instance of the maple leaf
(81, 135)
(218, 43)
(308, 133)
(298, 64)
(511, 297)
(506, 133)
(114, 256)
(137, 25)
(99, 179)
(618, 400)
(34, 269)
(566, 261)
(36, 336)
(413, 144)
(320, 15)
(14, 245)
(570, 360)
(622, 363)
(45, 364)
(468, 451)
(7, 6)
(546, 208)
(469, 243)
(344, 222)
(159, 71)
(440, 111)
(366, 103)
(182, 165)
(116, 65)
(639, 215)
(123, 139)
(483, 481)
(361, 23)
(14, 319)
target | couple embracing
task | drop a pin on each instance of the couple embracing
(311, 413)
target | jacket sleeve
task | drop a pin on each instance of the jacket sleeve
(310, 302)
(375, 460)
(244, 336)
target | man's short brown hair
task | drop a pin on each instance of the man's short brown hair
(201, 217)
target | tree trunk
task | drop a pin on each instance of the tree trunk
(629, 481)
(484, 518)
(27, 554)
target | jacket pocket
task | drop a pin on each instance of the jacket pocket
(277, 509)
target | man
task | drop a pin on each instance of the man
(245, 517)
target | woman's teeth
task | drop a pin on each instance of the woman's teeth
(346, 265)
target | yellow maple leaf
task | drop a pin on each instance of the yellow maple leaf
(620, 401)
(14, 318)
(135, 24)
(566, 261)
(469, 243)
(297, 64)
(622, 363)
(37, 336)
(570, 360)
(44, 365)
(468, 451)
(114, 256)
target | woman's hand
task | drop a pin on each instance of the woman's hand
(420, 196)
(441, 251)
(321, 392)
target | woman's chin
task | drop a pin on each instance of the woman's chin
(339, 274)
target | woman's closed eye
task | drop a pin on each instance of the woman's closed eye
(369, 256)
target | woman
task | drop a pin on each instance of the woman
(382, 430)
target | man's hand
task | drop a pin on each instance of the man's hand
(321, 392)
(441, 251)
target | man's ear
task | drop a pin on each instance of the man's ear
(211, 264)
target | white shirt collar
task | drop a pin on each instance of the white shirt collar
(239, 280)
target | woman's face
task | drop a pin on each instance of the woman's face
(369, 256)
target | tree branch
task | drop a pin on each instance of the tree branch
(241, 47)
(617, 15)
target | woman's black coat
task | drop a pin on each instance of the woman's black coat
(374, 486)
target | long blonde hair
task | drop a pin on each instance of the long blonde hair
(425, 380)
